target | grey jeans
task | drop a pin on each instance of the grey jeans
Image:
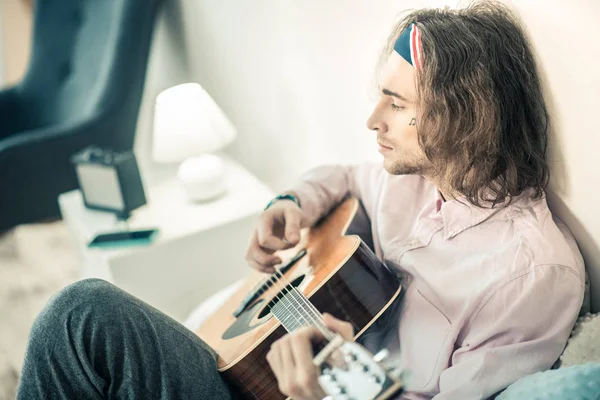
(95, 341)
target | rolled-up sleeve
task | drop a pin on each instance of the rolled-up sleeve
(322, 188)
(520, 328)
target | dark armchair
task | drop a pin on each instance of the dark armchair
(83, 86)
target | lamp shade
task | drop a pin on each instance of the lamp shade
(187, 123)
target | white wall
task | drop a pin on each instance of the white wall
(167, 66)
(569, 62)
(295, 77)
(1, 52)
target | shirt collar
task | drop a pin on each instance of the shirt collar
(459, 215)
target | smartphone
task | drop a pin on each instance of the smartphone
(124, 238)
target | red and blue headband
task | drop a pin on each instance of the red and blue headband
(408, 45)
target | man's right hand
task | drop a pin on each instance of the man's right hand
(278, 229)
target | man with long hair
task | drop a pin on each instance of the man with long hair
(493, 284)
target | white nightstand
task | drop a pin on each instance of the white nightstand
(199, 250)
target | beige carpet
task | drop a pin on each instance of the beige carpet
(35, 262)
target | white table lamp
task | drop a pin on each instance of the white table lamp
(188, 127)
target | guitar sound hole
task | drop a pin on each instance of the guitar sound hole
(295, 283)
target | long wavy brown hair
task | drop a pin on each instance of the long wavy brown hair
(482, 120)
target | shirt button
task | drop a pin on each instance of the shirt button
(415, 242)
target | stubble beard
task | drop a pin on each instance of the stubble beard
(404, 168)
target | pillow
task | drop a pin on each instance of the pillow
(210, 306)
(578, 382)
(584, 344)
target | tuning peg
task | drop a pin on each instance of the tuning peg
(340, 390)
(402, 375)
(381, 355)
(394, 372)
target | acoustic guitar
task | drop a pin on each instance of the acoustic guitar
(331, 270)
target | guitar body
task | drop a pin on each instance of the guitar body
(339, 275)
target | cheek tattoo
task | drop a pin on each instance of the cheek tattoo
(413, 122)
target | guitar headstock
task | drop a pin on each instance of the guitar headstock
(351, 372)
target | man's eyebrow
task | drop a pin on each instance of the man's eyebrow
(394, 94)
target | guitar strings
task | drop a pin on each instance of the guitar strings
(282, 292)
(311, 311)
(315, 311)
(284, 281)
(317, 319)
(267, 279)
(282, 299)
(279, 277)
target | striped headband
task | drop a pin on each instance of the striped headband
(408, 45)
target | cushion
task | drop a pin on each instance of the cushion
(577, 382)
(584, 344)
(210, 306)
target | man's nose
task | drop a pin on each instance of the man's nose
(375, 122)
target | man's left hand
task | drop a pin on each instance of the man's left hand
(291, 359)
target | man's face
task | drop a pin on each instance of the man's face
(394, 119)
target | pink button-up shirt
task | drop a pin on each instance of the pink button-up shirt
(491, 295)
